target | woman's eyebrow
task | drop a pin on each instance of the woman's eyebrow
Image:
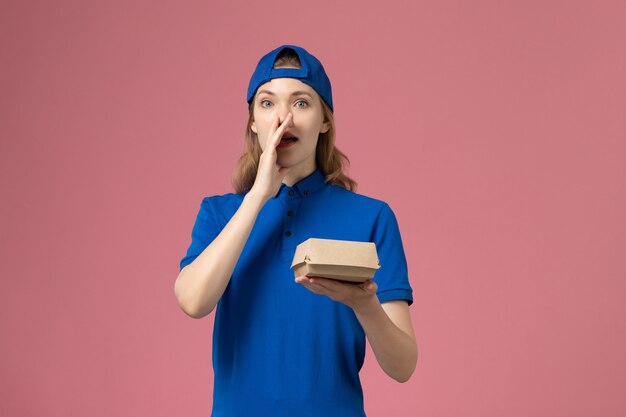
(295, 93)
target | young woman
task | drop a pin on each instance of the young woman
(285, 347)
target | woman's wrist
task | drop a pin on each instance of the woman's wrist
(366, 305)
(255, 199)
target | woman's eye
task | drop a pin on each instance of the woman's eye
(301, 103)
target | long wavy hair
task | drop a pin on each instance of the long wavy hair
(328, 158)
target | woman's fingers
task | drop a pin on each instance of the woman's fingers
(276, 137)
(273, 127)
(346, 293)
(269, 173)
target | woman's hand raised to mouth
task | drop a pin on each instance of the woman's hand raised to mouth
(270, 175)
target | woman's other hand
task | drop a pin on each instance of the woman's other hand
(356, 296)
(270, 175)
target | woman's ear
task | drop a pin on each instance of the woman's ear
(253, 127)
(325, 127)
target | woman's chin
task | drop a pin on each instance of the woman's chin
(286, 161)
(292, 161)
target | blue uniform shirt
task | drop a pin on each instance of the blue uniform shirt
(279, 349)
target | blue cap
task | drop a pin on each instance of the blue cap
(312, 73)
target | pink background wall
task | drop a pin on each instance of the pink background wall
(495, 130)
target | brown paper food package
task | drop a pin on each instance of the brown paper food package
(343, 260)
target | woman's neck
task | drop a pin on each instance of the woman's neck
(296, 175)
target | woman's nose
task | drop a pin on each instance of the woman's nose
(283, 116)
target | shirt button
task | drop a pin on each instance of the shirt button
(290, 192)
(290, 213)
(287, 233)
(306, 192)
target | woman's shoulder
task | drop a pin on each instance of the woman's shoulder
(361, 200)
(221, 207)
(222, 198)
(222, 202)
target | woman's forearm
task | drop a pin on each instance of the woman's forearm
(395, 350)
(200, 284)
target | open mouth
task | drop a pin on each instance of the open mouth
(288, 137)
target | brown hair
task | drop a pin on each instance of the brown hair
(328, 158)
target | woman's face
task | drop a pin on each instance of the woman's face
(278, 97)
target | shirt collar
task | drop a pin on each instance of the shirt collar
(306, 186)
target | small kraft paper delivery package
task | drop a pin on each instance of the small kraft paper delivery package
(342, 260)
